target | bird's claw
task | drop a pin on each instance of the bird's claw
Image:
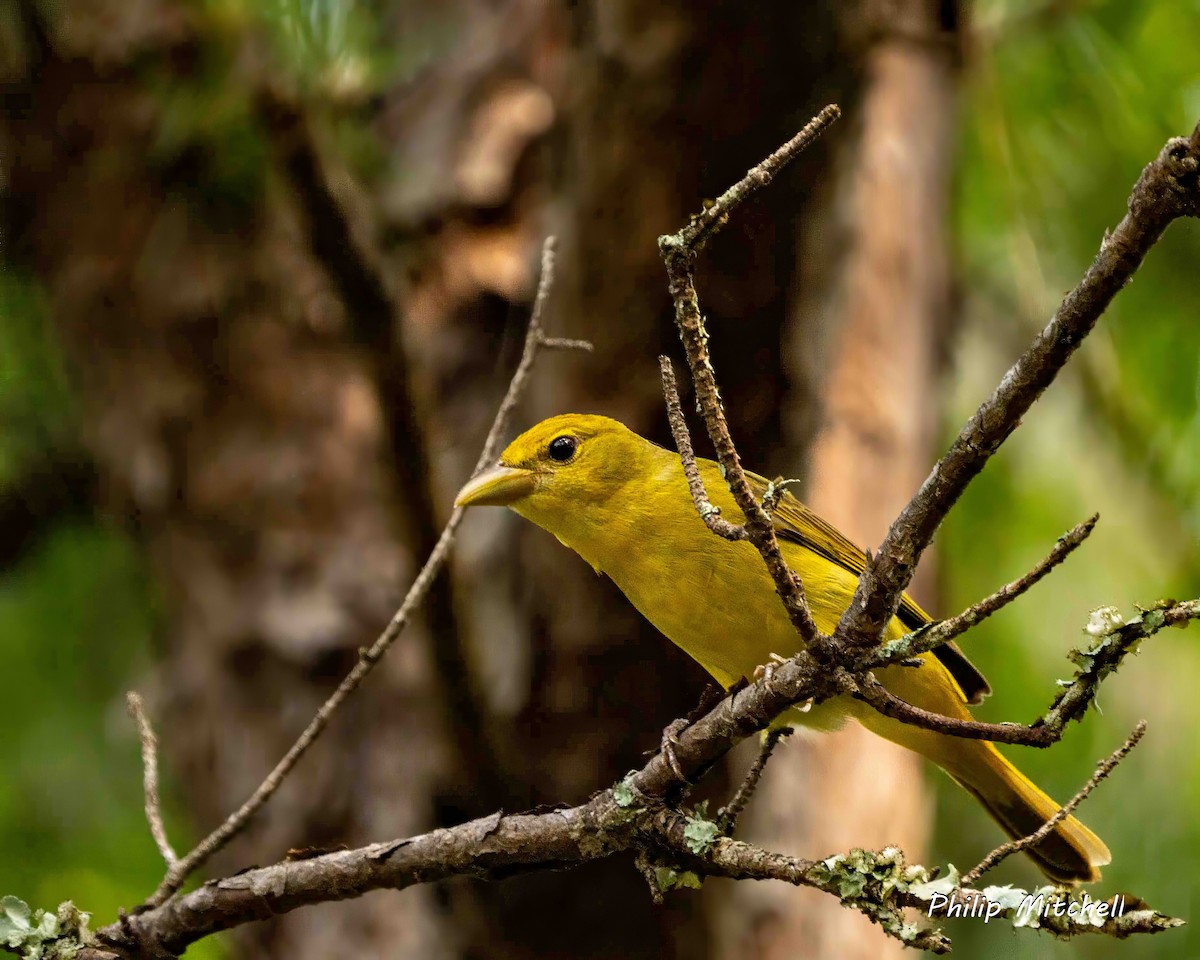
(765, 671)
(669, 742)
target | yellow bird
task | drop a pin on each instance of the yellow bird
(622, 503)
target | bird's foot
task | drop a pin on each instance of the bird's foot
(669, 742)
(764, 671)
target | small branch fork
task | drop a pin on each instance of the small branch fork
(535, 339)
(1072, 701)
(679, 252)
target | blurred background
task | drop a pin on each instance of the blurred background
(266, 269)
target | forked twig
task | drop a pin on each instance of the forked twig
(727, 818)
(679, 251)
(703, 226)
(943, 631)
(535, 340)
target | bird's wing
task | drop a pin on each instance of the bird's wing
(795, 522)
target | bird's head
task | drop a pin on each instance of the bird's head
(564, 466)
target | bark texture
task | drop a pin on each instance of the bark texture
(238, 431)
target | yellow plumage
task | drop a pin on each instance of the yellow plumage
(622, 503)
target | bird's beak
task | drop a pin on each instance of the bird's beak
(497, 487)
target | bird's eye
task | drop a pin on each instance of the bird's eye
(562, 449)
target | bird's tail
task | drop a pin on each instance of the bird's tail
(1070, 854)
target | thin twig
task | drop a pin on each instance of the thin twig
(705, 225)
(856, 879)
(936, 634)
(650, 874)
(367, 659)
(1103, 769)
(567, 343)
(1166, 191)
(341, 238)
(709, 512)
(1106, 655)
(535, 340)
(875, 694)
(679, 252)
(1098, 661)
(137, 710)
(728, 816)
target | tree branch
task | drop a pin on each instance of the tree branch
(1166, 191)
(631, 815)
(1114, 638)
(679, 252)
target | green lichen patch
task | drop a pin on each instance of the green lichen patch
(701, 833)
(40, 934)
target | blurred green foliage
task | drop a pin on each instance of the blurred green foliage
(1063, 104)
(209, 137)
(75, 625)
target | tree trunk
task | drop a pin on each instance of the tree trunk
(239, 433)
(648, 125)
